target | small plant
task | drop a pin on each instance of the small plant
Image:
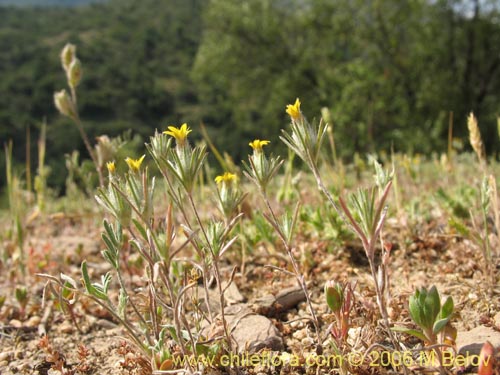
(367, 212)
(340, 299)
(434, 321)
(22, 298)
(17, 211)
(431, 316)
(260, 170)
(480, 233)
(158, 317)
(40, 183)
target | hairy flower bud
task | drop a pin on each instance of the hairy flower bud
(64, 104)
(74, 73)
(334, 293)
(67, 55)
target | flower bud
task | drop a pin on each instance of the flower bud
(64, 104)
(486, 359)
(105, 150)
(67, 55)
(334, 293)
(111, 167)
(74, 73)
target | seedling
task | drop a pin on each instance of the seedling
(340, 299)
(21, 294)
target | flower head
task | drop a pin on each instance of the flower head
(67, 55)
(257, 144)
(111, 167)
(180, 134)
(227, 177)
(294, 110)
(135, 164)
(64, 104)
(74, 73)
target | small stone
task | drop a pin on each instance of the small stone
(15, 323)
(66, 327)
(213, 300)
(353, 335)
(25, 367)
(106, 324)
(5, 356)
(472, 341)
(307, 342)
(299, 335)
(472, 297)
(34, 321)
(4, 364)
(255, 332)
(232, 294)
(496, 319)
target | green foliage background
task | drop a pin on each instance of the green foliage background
(389, 70)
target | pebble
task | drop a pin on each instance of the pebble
(106, 324)
(472, 341)
(307, 341)
(4, 364)
(5, 356)
(25, 367)
(496, 319)
(66, 327)
(34, 321)
(472, 296)
(353, 335)
(299, 335)
(15, 323)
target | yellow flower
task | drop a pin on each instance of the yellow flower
(257, 144)
(180, 134)
(111, 167)
(135, 165)
(225, 178)
(294, 110)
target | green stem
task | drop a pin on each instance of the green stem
(216, 273)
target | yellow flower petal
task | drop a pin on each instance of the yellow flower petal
(257, 144)
(180, 134)
(135, 164)
(226, 177)
(111, 167)
(294, 110)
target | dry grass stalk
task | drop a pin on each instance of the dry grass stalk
(475, 138)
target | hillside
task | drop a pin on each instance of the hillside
(48, 3)
(393, 74)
